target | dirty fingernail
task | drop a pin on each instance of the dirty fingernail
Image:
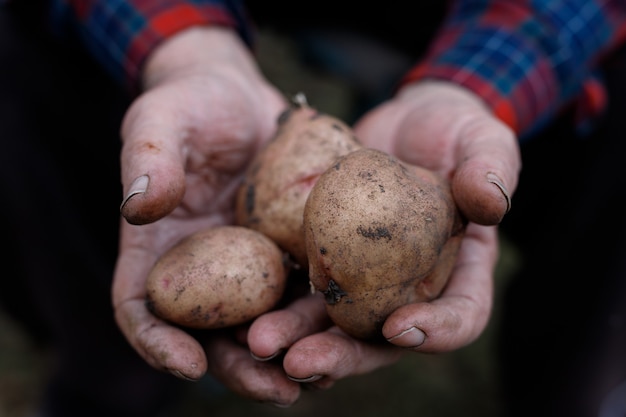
(139, 186)
(311, 378)
(279, 405)
(267, 358)
(495, 180)
(180, 375)
(410, 338)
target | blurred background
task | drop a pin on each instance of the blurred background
(464, 381)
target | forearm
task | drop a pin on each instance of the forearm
(121, 34)
(526, 62)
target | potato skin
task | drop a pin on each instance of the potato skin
(279, 179)
(380, 234)
(217, 277)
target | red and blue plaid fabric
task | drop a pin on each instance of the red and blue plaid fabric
(121, 33)
(528, 59)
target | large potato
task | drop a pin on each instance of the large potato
(380, 234)
(217, 277)
(279, 179)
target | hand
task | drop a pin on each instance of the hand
(448, 129)
(187, 139)
(444, 128)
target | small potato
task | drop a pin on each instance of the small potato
(279, 179)
(215, 278)
(380, 234)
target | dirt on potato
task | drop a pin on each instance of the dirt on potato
(380, 234)
(217, 277)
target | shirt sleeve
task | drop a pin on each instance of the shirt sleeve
(527, 59)
(121, 33)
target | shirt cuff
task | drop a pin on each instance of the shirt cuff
(519, 87)
(125, 35)
(528, 62)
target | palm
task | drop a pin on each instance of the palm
(193, 138)
(447, 131)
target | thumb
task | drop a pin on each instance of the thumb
(446, 128)
(152, 163)
(487, 171)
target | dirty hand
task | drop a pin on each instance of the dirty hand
(204, 111)
(446, 129)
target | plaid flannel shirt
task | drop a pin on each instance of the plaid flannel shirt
(527, 59)
(122, 33)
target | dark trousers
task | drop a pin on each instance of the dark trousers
(59, 125)
(563, 325)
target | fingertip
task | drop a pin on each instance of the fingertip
(266, 340)
(138, 186)
(404, 327)
(192, 377)
(148, 199)
(272, 333)
(162, 346)
(410, 338)
(482, 197)
(495, 180)
(424, 327)
(269, 357)
(177, 353)
(264, 381)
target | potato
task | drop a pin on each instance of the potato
(217, 277)
(279, 179)
(379, 234)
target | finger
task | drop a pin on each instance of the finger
(161, 345)
(323, 358)
(461, 313)
(152, 161)
(270, 334)
(488, 167)
(233, 366)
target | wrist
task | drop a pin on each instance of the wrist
(441, 90)
(195, 51)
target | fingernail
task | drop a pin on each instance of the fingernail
(410, 338)
(280, 405)
(267, 358)
(139, 186)
(495, 180)
(311, 378)
(180, 375)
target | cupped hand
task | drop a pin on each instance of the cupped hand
(449, 130)
(187, 139)
(446, 129)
